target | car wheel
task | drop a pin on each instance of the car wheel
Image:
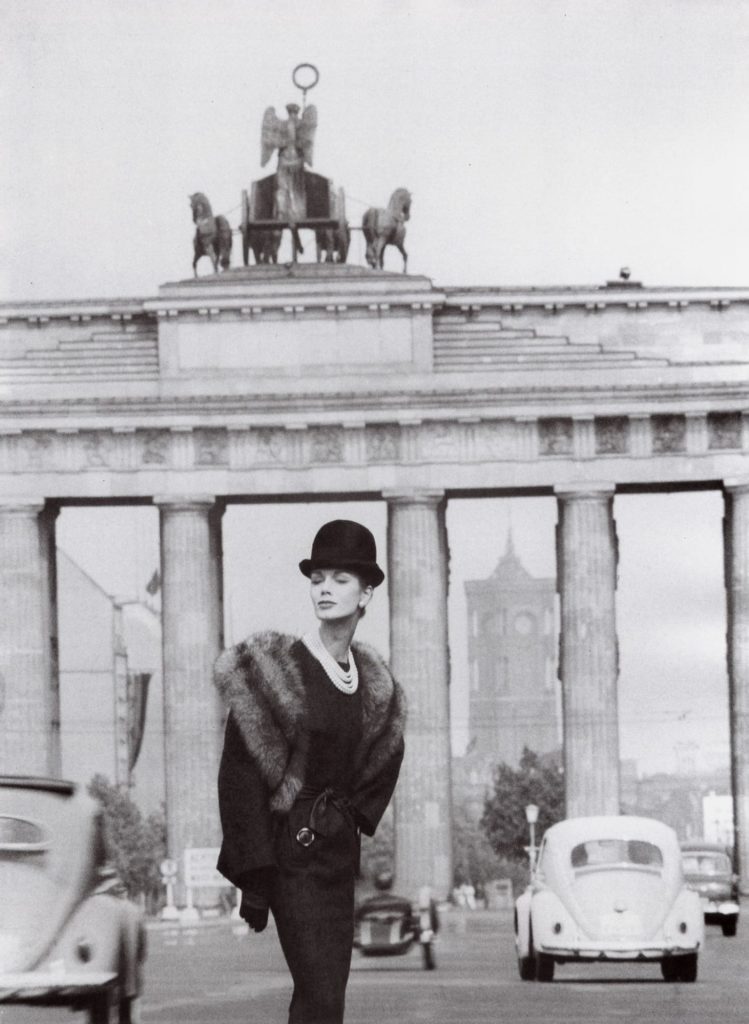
(108, 1008)
(427, 954)
(687, 968)
(544, 967)
(100, 1008)
(729, 924)
(527, 964)
(527, 968)
(669, 969)
(129, 1011)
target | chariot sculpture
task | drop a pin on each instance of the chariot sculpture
(293, 198)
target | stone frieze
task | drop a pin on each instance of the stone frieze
(382, 444)
(326, 445)
(154, 447)
(612, 435)
(211, 447)
(530, 440)
(669, 434)
(555, 436)
(724, 430)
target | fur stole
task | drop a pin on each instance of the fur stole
(260, 680)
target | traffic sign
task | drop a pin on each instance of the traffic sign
(168, 868)
(200, 868)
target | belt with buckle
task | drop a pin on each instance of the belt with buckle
(308, 833)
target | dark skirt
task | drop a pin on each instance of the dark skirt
(313, 905)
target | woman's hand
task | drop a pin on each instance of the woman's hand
(254, 910)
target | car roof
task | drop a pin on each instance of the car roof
(61, 786)
(611, 826)
(694, 845)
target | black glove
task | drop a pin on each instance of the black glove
(254, 910)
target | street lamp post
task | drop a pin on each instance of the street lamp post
(531, 816)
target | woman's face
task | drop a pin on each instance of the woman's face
(337, 594)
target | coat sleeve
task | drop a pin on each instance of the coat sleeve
(381, 764)
(246, 820)
(371, 798)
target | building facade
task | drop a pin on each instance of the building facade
(305, 382)
(111, 697)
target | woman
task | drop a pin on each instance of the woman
(312, 751)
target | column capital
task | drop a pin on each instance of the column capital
(413, 496)
(584, 491)
(21, 504)
(184, 502)
(736, 484)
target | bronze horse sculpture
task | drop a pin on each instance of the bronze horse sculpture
(212, 234)
(387, 227)
(265, 245)
(334, 242)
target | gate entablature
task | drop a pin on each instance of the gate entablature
(357, 453)
(353, 376)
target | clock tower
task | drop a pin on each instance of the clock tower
(512, 656)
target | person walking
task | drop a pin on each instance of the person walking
(312, 751)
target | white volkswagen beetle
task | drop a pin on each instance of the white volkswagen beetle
(66, 938)
(608, 888)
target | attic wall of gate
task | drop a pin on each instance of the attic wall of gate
(316, 381)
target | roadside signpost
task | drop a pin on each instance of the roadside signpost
(168, 869)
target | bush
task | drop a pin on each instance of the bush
(135, 845)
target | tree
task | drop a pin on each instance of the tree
(474, 860)
(537, 781)
(136, 846)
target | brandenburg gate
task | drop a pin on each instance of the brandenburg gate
(307, 382)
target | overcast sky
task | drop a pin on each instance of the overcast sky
(544, 143)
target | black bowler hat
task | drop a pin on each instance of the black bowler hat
(344, 544)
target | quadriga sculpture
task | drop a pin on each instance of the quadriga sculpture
(334, 243)
(212, 234)
(265, 245)
(387, 227)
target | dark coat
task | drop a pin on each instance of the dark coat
(263, 763)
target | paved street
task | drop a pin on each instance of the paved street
(222, 974)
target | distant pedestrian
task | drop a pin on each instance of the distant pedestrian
(312, 752)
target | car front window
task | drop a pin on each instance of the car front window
(706, 864)
(607, 852)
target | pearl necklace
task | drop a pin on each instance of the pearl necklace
(346, 680)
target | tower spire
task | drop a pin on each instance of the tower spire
(510, 543)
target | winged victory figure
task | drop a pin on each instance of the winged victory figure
(294, 140)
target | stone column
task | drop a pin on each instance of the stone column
(29, 687)
(417, 583)
(191, 613)
(736, 538)
(589, 662)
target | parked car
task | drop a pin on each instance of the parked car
(608, 888)
(389, 925)
(708, 870)
(68, 936)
